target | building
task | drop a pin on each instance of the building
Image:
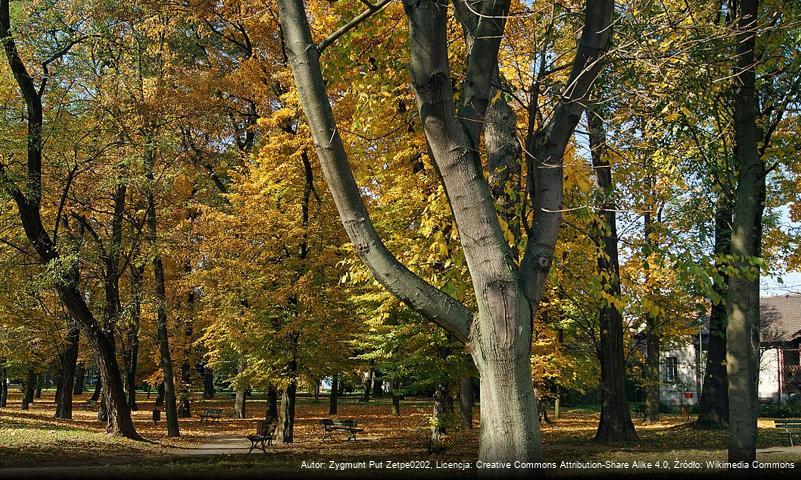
(682, 364)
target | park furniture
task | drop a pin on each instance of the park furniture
(330, 426)
(790, 426)
(211, 414)
(263, 437)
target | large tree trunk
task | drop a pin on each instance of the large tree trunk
(67, 361)
(714, 401)
(271, 413)
(499, 335)
(29, 388)
(742, 331)
(332, 399)
(466, 401)
(615, 424)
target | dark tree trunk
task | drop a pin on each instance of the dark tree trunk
(317, 390)
(29, 389)
(160, 296)
(3, 385)
(378, 385)
(652, 335)
(102, 410)
(286, 422)
(132, 357)
(185, 407)
(271, 413)
(80, 379)
(240, 403)
(98, 389)
(714, 401)
(160, 395)
(396, 398)
(742, 330)
(332, 399)
(466, 401)
(615, 424)
(37, 394)
(208, 383)
(67, 361)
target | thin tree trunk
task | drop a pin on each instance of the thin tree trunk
(615, 424)
(160, 395)
(37, 393)
(714, 401)
(332, 399)
(80, 379)
(3, 385)
(137, 274)
(466, 401)
(67, 362)
(439, 419)
(368, 384)
(742, 331)
(208, 383)
(98, 389)
(160, 295)
(240, 402)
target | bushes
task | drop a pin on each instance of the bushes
(775, 410)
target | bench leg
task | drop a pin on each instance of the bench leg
(326, 434)
(789, 434)
(351, 436)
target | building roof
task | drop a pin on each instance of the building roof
(780, 318)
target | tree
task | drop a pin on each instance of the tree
(499, 335)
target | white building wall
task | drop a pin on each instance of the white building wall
(769, 375)
(672, 393)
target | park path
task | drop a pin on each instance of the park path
(221, 445)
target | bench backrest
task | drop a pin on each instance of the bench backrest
(787, 423)
(265, 429)
(214, 411)
(345, 423)
(327, 422)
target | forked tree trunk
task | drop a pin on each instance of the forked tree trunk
(29, 388)
(332, 399)
(67, 362)
(498, 336)
(714, 401)
(742, 331)
(466, 401)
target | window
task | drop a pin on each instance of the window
(671, 369)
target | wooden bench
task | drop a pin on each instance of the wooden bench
(329, 426)
(263, 437)
(790, 426)
(211, 414)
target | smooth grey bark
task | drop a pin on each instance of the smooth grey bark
(499, 335)
(160, 297)
(742, 331)
(714, 401)
(615, 424)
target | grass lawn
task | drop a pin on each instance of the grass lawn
(33, 443)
